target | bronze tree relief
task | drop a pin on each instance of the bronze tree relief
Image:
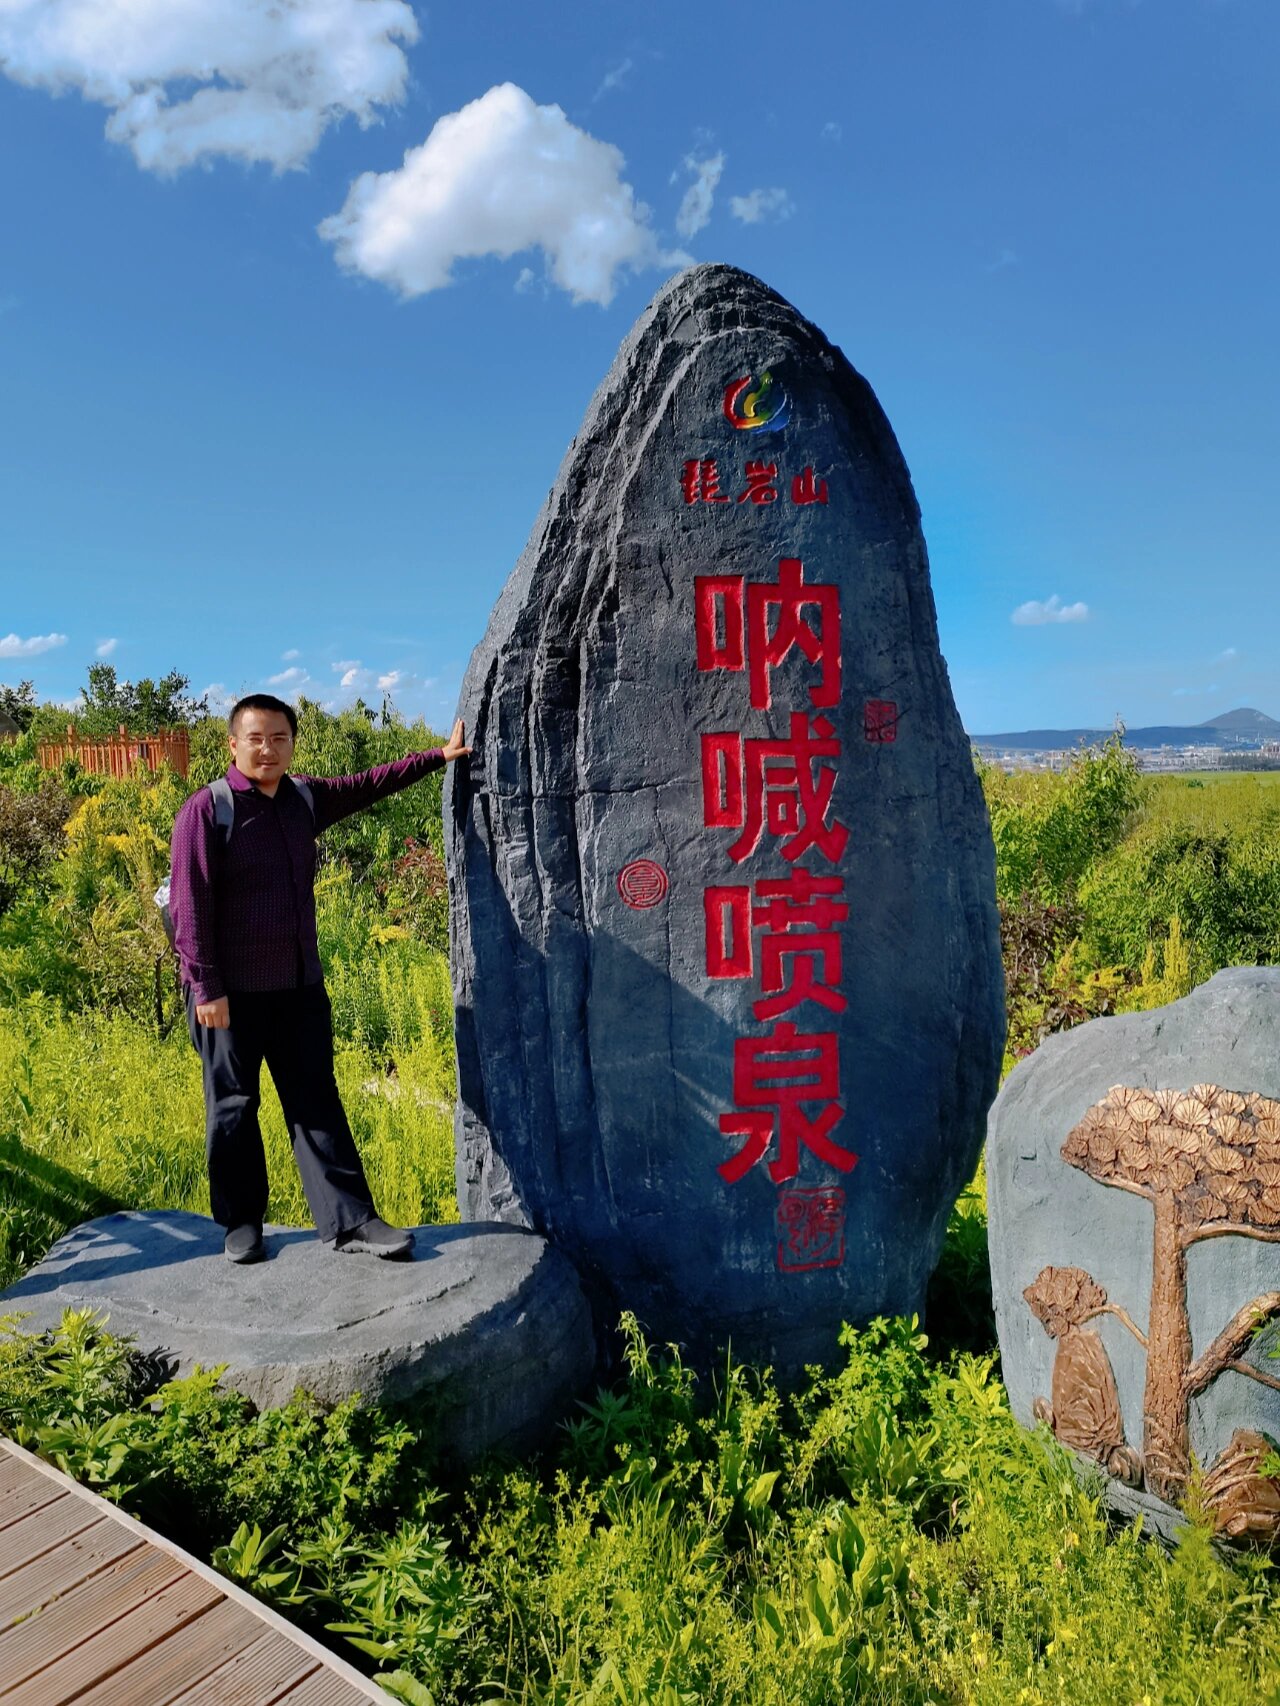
(1208, 1161)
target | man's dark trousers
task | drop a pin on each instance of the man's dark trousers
(291, 1029)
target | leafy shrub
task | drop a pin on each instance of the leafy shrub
(31, 834)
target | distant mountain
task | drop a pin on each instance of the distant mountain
(1236, 730)
(1245, 721)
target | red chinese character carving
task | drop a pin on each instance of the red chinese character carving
(806, 489)
(805, 952)
(728, 912)
(880, 721)
(760, 487)
(722, 781)
(774, 784)
(719, 622)
(789, 597)
(798, 898)
(772, 1077)
(810, 1229)
(700, 483)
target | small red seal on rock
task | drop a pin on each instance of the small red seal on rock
(642, 884)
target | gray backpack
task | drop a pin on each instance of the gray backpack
(224, 815)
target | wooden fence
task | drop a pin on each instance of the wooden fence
(118, 753)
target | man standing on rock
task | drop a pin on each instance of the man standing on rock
(243, 906)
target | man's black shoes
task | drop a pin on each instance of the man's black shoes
(375, 1238)
(244, 1244)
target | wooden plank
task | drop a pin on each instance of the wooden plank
(321, 1689)
(15, 1473)
(75, 1617)
(39, 1532)
(175, 1664)
(21, 1501)
(64, 1679)
(259, 1675)
(63, 1568)
(263, 1617)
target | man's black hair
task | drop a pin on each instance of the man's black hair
(263, 702)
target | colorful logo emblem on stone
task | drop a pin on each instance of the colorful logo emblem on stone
(756, 408)
(642, 884)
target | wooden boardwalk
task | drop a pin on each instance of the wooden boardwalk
(98, 1610)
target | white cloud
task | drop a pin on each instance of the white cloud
(695, 208)
(288, 657)
(187, 80)
(1035, 613)
(499, 177)
(354, 676)
(832, 132)
(220, 698)
(345, 664)
(1006, 258)
(761, 204)
(104, 648)
(525, 280)
(1228, 656)
(1195, 692)
(293, 677)
(12, 646)
(391, 679)
(613, 79)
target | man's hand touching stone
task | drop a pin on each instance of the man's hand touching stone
(214, 1015)
(454, 747)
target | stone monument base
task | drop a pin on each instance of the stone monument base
(486, 1325)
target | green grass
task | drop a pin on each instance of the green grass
(97, 1112)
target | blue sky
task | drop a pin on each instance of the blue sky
(248, 430)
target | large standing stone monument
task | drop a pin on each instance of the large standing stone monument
(726, 960)
(1133, 1170)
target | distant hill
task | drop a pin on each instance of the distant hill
(1245, 721)
(1233, 730)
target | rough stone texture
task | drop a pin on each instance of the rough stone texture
(487, 1325)
(1045, 1212)
(595, 1054)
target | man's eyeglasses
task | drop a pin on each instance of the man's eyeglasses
(257, 742)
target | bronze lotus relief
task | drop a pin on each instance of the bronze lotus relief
(1208, 1161)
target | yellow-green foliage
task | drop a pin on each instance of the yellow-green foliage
(96, 1110)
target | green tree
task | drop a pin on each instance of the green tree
(19, 703)
(144, 707)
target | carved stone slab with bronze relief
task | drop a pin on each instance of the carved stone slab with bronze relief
(1135, 1237)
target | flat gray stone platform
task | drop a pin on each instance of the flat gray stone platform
(486, 1324)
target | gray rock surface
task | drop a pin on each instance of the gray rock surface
(1045, 1212)
(486, 1326)
(596, 1052)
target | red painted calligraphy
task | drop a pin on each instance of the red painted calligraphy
(880, 721)
(760, 488)
(806, 489)
(790, 597)
(719, 621)
(810, 1229)
(774, 1077)
(728, 917)
(754, 784)
(700, 483)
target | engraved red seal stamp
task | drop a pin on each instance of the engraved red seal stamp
(810, 1229)
(642, 884)
(880, 721)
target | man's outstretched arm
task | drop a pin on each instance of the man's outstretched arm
(337, 797)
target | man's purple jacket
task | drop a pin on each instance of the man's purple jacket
(244, 910)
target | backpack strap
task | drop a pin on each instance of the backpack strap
(224, 806)
(308, 798)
